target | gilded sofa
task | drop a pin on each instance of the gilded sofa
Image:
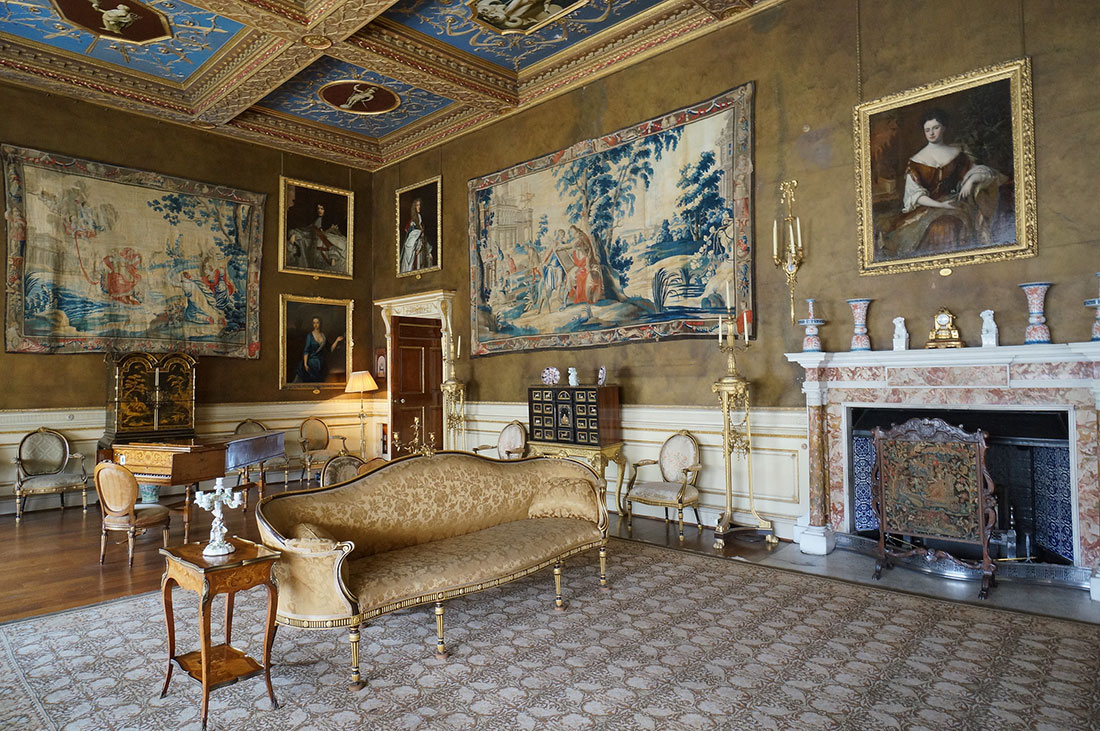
(424, 529)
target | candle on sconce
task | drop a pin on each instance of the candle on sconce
(798, 224)
(458, 352)
(775, 239)
(790, 231)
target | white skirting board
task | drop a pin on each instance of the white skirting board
(779, 456)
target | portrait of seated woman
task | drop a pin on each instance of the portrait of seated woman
(950, 201)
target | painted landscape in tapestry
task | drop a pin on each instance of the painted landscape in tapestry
(106, 265)
(642, 234)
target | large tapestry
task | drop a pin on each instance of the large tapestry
(104, 258)
(640, 234)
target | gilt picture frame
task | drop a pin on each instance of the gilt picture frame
(418, 209)
(945, 173)
(308, 360)
(316, 229)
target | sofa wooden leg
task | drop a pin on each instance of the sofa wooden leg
(440, 645)
(356, 680)
(559, 603)
(603, 567)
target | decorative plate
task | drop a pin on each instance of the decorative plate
(551, 376)
(601, 376)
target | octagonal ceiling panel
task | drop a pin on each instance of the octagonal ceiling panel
(513, 34)
(166, 39)
(308, 97)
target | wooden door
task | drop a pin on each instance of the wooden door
(416, 375)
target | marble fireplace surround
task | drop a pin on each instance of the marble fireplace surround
(1057, 377)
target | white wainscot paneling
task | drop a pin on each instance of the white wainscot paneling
(780, 456)
(83, 427)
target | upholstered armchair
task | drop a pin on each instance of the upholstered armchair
(340, 468)
(44, 465)
(679, 469)
(314, 437)
(117, 489)
(511, 443)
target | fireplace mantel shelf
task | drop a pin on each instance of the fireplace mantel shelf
(950, 357)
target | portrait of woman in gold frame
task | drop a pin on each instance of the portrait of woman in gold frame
(316, 229)
(418, 228)
(314, 342)
(945, 172)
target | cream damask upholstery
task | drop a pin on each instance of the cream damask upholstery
(679, 465)
(340, 468)
(511, 443)
(44, 464)
(420, 530)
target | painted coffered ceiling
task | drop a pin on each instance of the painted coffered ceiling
(361, 82)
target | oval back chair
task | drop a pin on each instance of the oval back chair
(679, 466)
(117, 489)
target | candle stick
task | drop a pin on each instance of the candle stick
(458, 352)
(728, 303)
(775, 239)
(719, 331)
(798, 224)
(790, 231)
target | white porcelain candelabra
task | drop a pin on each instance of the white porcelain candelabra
(214, 501)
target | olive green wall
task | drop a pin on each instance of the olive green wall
(55, 124)
(807, 59)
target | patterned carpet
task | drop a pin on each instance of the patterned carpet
(680, 641)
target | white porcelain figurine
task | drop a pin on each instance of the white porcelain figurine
(989, 330)
(574, 380)
(901, 336)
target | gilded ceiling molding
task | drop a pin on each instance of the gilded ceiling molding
(387, 40)
(289, 134)
(449, 85)
(254, 82)
(269, 17)
(240, 63)
(616, 49)
(47, 72)
(723, 9)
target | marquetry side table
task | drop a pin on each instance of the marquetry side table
(215, 667)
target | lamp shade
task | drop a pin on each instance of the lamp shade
(360, 382)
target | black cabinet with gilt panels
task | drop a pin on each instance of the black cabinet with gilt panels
(584, 415)
(149, 397)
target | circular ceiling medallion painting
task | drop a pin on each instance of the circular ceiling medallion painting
(359, 97)
(130, 21)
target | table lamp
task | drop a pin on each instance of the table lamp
(360, 382)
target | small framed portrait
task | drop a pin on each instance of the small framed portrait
(945, 173)
(418, 215)
(379, 362)
(315, 229)
(315, 342)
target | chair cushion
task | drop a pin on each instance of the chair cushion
(49, 482)
(465, 560)
(565, 497)
(144, 515)
(320, 456)
(664, 492)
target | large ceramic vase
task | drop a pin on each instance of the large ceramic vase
(1095, 304)
(811, 343)
(1037, 332)
(860, 339)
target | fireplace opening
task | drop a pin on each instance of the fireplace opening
(1028, 458)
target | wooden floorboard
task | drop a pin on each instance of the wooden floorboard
(50, 560)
